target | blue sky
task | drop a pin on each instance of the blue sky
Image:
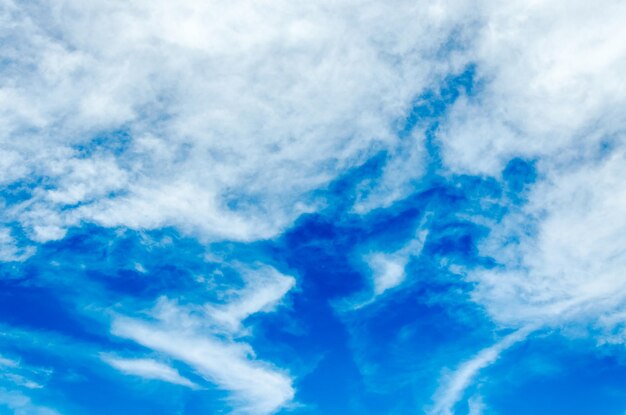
(344, 207)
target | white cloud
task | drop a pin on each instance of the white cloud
(476, 406)
(148, 369)
(16, 380)
(387, 269)
(205, 339)
(20, 404)
(256, 387)
(16, 374)
(573, 267)
(9, 249)
(405, 165)
(454, 385)
(235, 111)
(551, 89)
(552, 84)
(264, 288)
(6, 362)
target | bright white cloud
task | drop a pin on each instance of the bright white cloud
(573, 267)
(388, 269)
(551, 89)
(234, 111)
(454, 385)
(204, 338)
(264, 288)
(148, 369)
(552, 84)
(257, 388)
(9, 249)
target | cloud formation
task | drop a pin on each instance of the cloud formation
(454, 385)
(20, 404)
(219, 118)
(227, 121)
(550, 85)
(205, 338)
(572, 267)
(17, 381)
(149, 369)
(551, 91)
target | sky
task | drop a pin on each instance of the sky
(312, 208)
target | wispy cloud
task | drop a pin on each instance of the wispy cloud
(454, 385)
(476, 406)
(20, 404)
(148, 369)
(15, 373)
(388, 268)
(551, 90)
(571, 268)
(257, 388)
(203, 339)
(264, 289)
(17, 382)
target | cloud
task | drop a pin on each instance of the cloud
(204, 338)
(385, 270)
(405, 164)
(454, 385)
(264, 288)
(10, 249)
(257, 387)
(222, 129)
(14, 373)
(21, 404)
(223, 118)
(388, 269)
(550, 85)
(5, 362)
(549, 89)
(17, 382)
(571, 268)
(148, 369)
(476, 406)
